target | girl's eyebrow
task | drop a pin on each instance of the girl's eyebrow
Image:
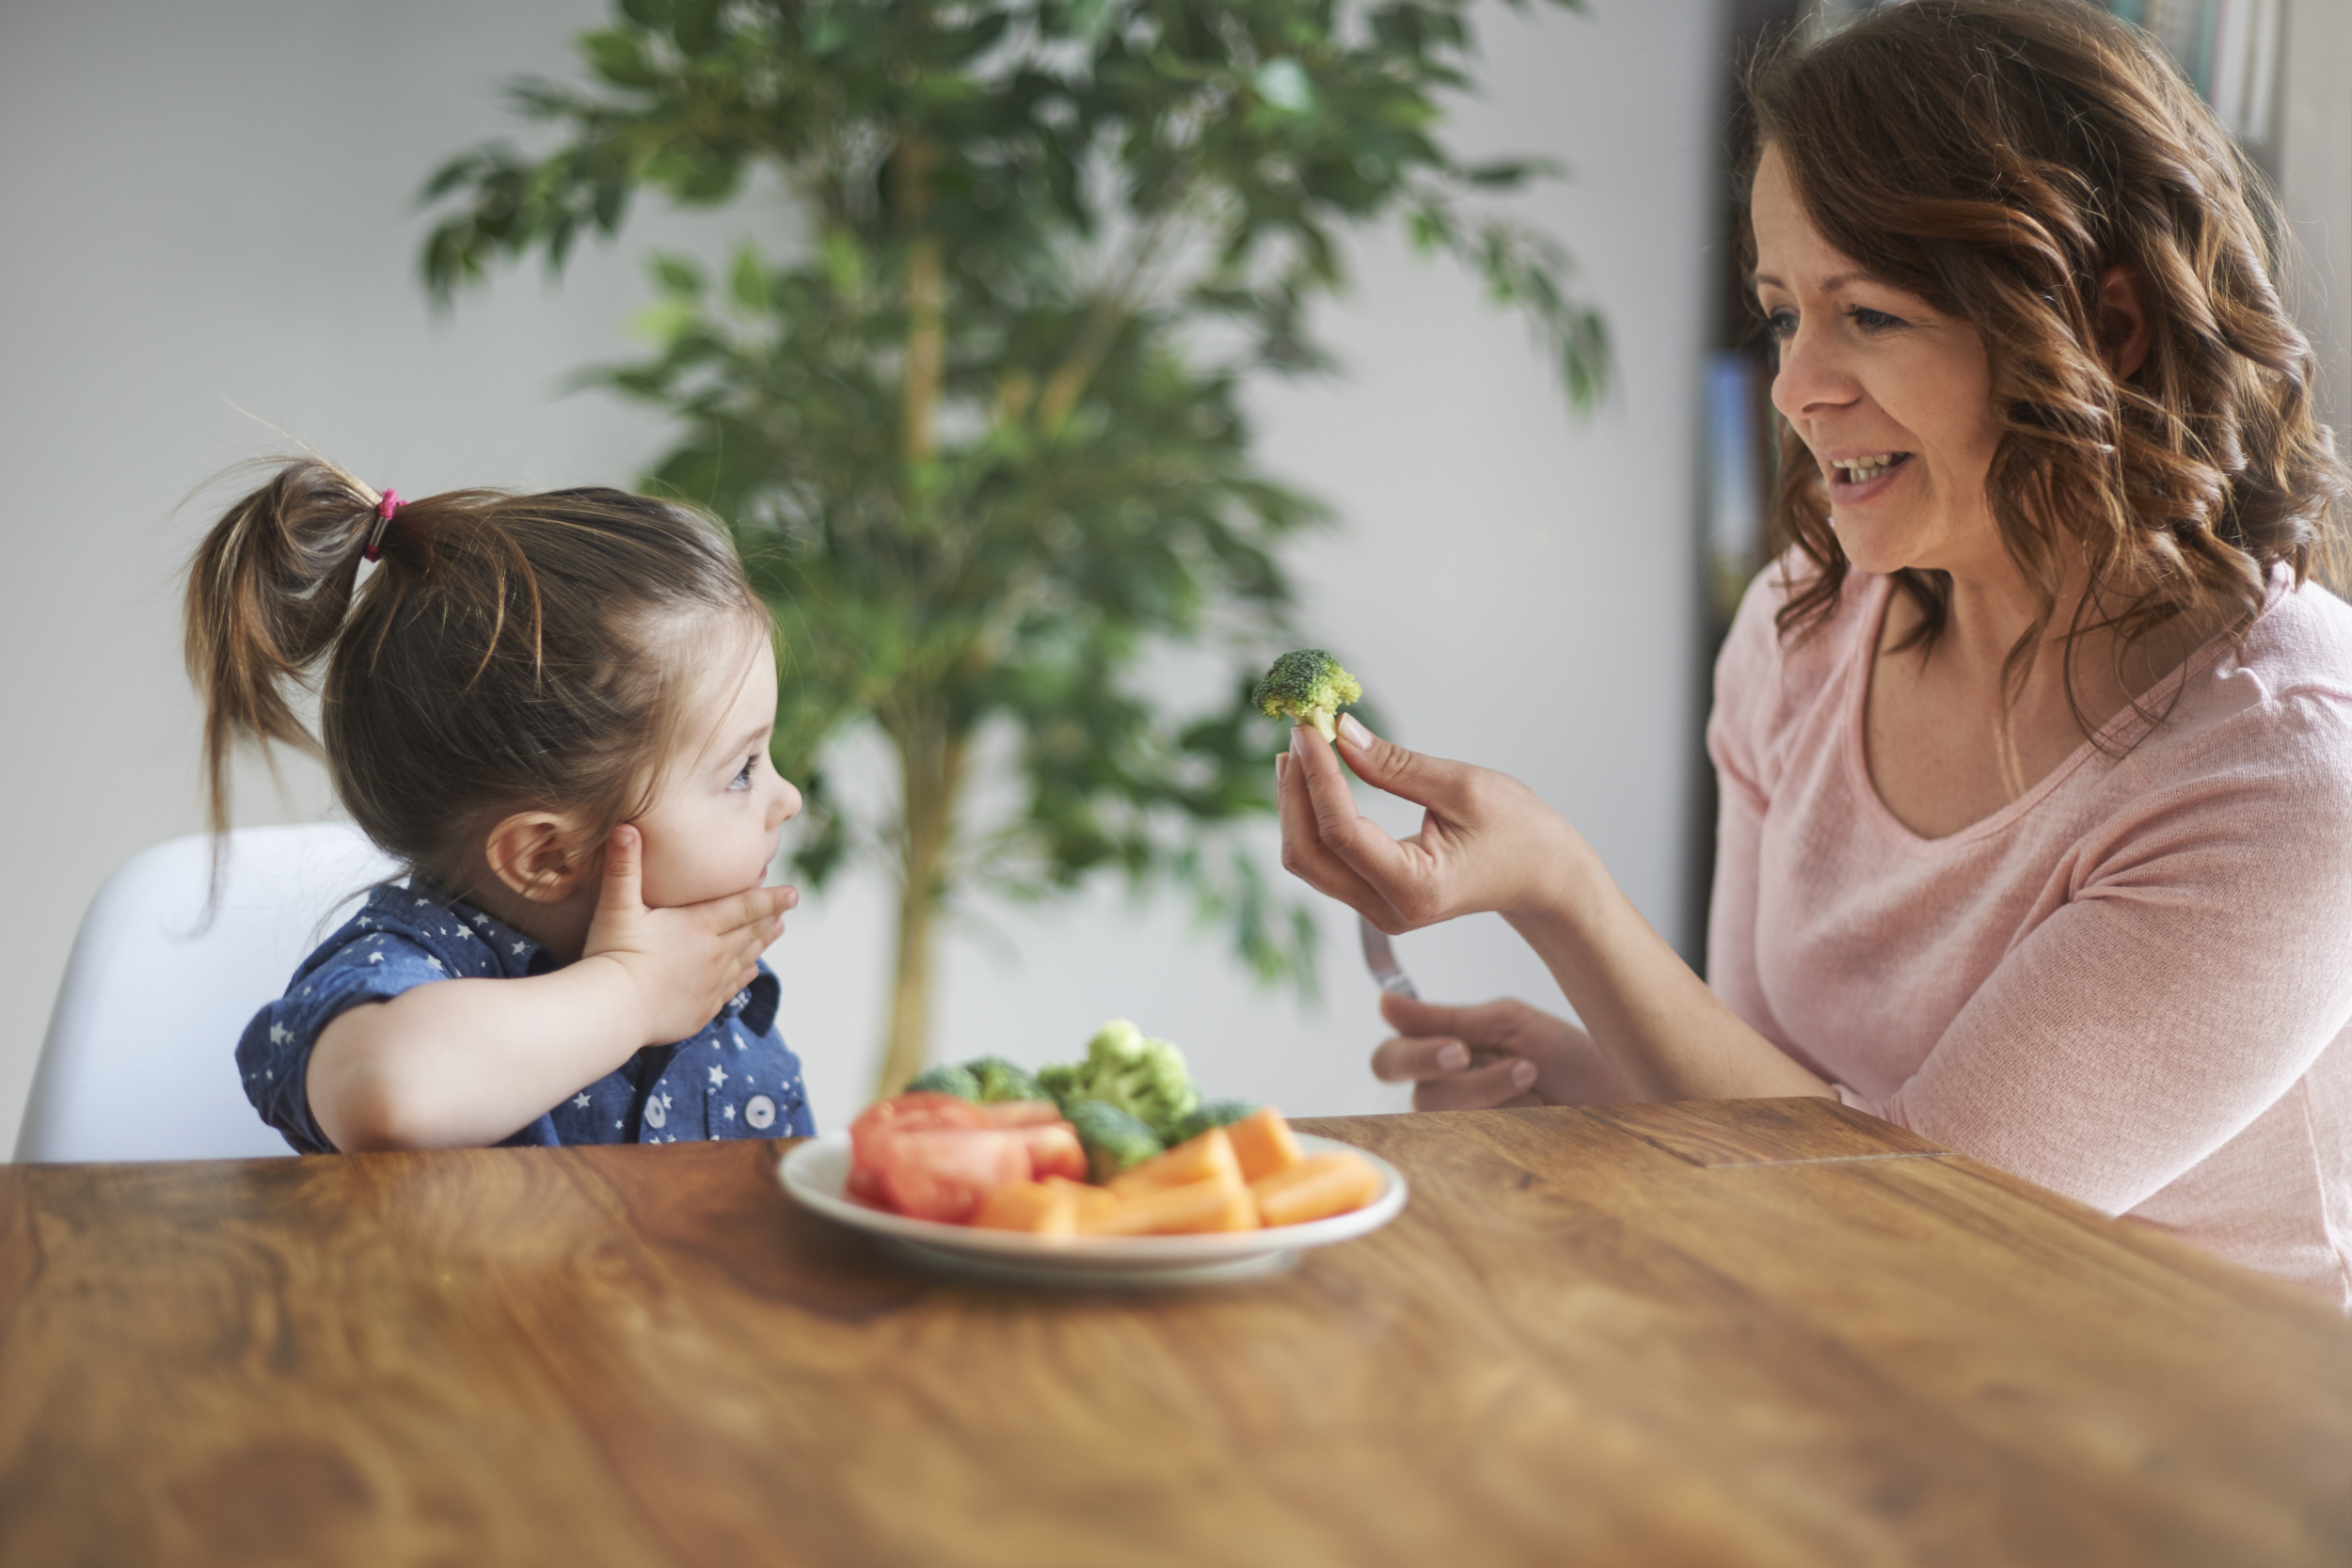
(749, 735)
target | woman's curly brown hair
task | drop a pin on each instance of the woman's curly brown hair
(1995, 158)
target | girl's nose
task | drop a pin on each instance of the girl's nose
(786, 805)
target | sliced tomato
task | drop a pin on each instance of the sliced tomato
(943, 1173)
(1054, 1151)
(906, 1113)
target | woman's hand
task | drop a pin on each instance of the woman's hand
(1497, 1053)
(1485, 842)
(682, 963)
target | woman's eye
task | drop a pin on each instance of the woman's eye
(1869, 319)
(742, 778)
(1780, 325)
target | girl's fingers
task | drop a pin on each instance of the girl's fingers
(1476, 1090)
(624, 856)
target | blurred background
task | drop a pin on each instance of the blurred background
(212, 255)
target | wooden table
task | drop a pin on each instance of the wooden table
(1771, 1332)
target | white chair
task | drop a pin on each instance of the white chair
(140, 1061)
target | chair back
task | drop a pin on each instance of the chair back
(140, 1060)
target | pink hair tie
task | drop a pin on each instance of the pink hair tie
(384, 511)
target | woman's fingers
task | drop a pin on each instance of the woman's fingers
(1486, 1024)
(1476, 1089)
(1307, 857)
(1411, 1059)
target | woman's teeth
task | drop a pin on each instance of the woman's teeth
(1860, 470)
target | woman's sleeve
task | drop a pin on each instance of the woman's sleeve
(1747, 678)
(2200, 963)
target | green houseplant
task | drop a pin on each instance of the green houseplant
(973, 411)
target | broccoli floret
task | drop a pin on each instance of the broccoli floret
(946, 1078)
(1208, 1113)
(1059, 1080)
(1113, 1140)
(1000, 1080)
(1308, 687)
(1144, 1077)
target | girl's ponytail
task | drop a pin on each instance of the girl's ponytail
(268, 591)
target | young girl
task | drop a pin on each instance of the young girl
(555, 710)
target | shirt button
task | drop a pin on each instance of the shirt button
(655, 1114)
(761, 1112)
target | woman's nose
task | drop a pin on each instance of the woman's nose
(1811, 376)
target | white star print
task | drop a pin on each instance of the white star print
(365, 921)
(718, 1077)
(422, 902)
(376, 958)
(466, 931)
(730, 1113)
(280, 1034)
(436, 964)
(518, 948)
(581, 1100)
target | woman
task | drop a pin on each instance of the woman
(2036, 747)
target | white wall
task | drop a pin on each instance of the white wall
(211, 233)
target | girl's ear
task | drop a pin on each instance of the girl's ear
(535, 854)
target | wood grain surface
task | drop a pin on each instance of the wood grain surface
(1770, 1333)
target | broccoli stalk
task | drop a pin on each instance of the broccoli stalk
(1307, 687)
(1123, 1069)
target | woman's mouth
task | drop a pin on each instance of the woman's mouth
(1857, 479)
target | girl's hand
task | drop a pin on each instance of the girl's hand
(1485, 842)
(682, 963)
(1498, 1054)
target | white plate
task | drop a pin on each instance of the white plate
(815, 1172)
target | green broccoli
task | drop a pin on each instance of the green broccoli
(1000, 1080)
(1146, 1078)
(1208, 1113)
(1113, 1140)
(946, 1078)
(1308, 687)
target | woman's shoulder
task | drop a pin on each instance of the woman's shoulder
(2300, 645)
(1768, 679)
(2266, 716)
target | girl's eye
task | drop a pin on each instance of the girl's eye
(742, 778)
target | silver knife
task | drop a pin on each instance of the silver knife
(1381, 959)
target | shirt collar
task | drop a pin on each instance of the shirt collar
(531, 958)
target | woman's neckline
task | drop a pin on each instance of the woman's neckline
(1862, 665)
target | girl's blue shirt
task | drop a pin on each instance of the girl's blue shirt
(734, 1078)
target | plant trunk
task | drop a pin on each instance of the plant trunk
(931, 766)
(927, 303)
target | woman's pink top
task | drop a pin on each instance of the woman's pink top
(2132, 986)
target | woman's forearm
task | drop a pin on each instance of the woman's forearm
(1658, 1022)
(467, 1062)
